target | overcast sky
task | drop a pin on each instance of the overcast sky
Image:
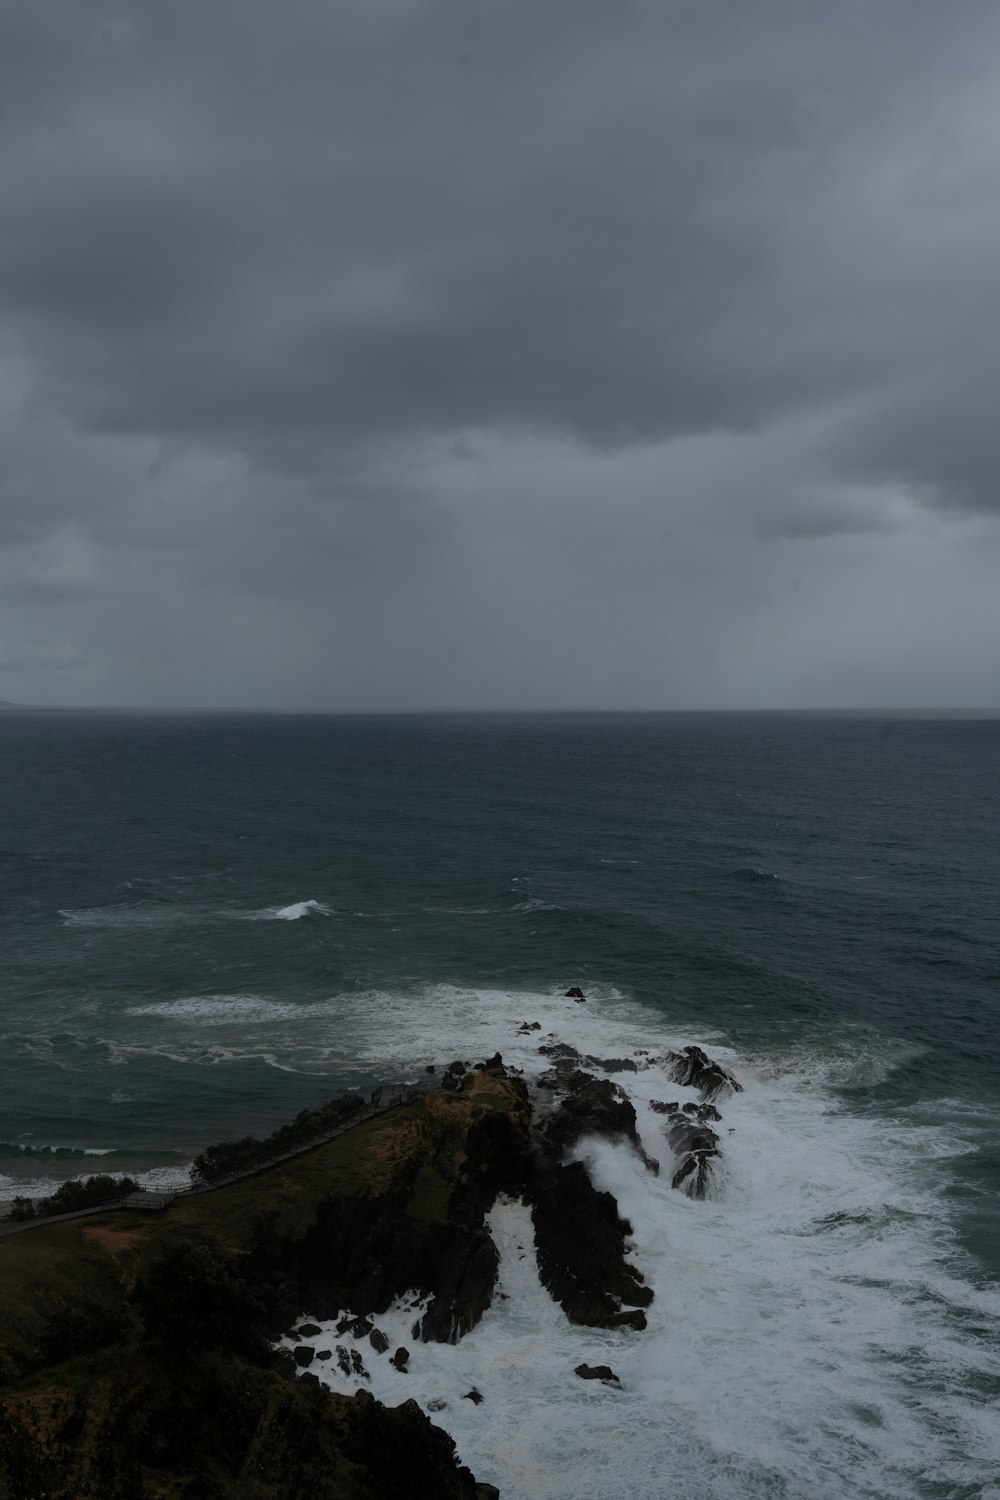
(500, 353)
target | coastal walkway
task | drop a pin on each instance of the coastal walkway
(157, 1202)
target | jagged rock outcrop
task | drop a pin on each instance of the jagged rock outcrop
(597, 1372)
(694, 1069)
(580, 1240)
(590, 1106)
(695, 1144)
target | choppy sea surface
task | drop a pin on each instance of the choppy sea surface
(209, 922)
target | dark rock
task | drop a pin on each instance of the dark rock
(697, 1145)
(492, 1064)
(575, 993)
(702, 1111)
(307, 1375)
(378, 1341)
(308, 1330)
(360, 1327)
(476, 1397)
(324, 1353)
(401, 1359)
(304, 1355)
(559, 1050)
(659, 1107)
(580, 1239)
(695, 1069)
(453, 1075)
(597, 1372)
(614, 1064)
(636, 1320)
(430, 1068)
(411, 1408)
(283, 1362)
(527, 1026)
(358, 1364)
(343, 1360)
(487, 1492)
(592, 1106)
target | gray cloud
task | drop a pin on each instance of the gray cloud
(424, 303)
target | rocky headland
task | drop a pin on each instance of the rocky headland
(167, 1356)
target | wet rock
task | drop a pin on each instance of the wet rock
(592, 1106)
(614, 1064)
(309, 1377)
(476, 1397)
(694, 1069)
(378, 1341)
(559, 1050)
(580, 1239)
(343, 1360)
(438, 1404)
(697, 1146)
(358, 1364)
(527, 1026)
(575, 993)
(453, 1075)
(410, 1408)
(702, 1111)
(360, 1328)
(492, 1064)
(662, 1107)
(304, 1355)
(401, 1359)
(597, 1372)
(635, 1320)
(308, 1330)
(487, 1492)
(430, 1068)
(324, 1353)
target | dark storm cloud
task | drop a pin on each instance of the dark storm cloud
(377, 322)
(285, 229)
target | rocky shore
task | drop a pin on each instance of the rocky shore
(169, 1358)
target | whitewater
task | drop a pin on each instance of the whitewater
(815, 1329)
(212, 922)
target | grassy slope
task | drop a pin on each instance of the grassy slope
(85, 1404)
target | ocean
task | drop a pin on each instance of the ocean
(211, 922)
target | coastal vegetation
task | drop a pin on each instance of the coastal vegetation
(227, 1157)
(69, 1197)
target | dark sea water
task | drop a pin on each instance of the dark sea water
(208, 923)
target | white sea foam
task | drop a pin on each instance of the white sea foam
(814, 1330)
(160, 914)
(216, 1010)
(293, 913)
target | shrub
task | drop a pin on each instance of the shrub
(226, 1157)
(80, 1192)
(193, 1296)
